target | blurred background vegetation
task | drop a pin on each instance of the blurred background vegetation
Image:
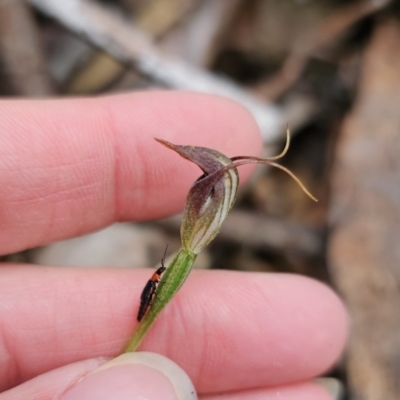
(331, 69)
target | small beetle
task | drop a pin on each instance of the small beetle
(149, 290)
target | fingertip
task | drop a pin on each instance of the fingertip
(331, 315)
(133, 376)
(129, 376)
(323, 318)
(296, 325)
(73, 166)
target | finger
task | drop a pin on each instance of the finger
(130, 376)
(54, 383)
(72, 166)
(277, 328)
(299, 391)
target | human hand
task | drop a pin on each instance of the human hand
(69, 167)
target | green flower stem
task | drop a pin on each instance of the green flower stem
(172, 280)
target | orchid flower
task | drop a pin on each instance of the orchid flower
(207, 205)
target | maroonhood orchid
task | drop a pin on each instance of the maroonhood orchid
(207, 205)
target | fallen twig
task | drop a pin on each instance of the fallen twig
(333, 27)
(262, 231)
(131, 46)
(102, 70)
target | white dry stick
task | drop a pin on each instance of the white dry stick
(120, 38)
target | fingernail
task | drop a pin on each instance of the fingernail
(139, 375)
(333, 386)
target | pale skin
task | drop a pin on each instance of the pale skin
(69, 167)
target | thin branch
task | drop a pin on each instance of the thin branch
(262, 231)
(314, 40)
(130, 45)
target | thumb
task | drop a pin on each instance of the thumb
(134, 376)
